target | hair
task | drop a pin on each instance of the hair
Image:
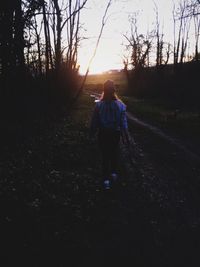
(109, 93)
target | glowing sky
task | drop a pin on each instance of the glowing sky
(110, 51)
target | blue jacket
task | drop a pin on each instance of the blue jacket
(109, 115)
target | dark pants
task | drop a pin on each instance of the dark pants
(109, 147)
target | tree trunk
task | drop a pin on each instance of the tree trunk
(6, 39)
(19, 36)
(46, 37)
(38, 47)
(58, 39)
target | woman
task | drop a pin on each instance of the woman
(110, 121)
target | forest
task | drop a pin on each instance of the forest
(159, 69)
(53, 208)
(37, 71)
(39, 53)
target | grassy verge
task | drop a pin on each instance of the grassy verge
(51, 201)
(179, 123)
(78, 130)
(49, 184)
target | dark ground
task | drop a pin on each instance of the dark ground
(54, 211)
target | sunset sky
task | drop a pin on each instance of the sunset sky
(111, 49)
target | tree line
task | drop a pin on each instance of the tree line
(151, 49)
(40, 39)
(151, 61)
(32, 32)
(39, 43)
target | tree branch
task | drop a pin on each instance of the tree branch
(103, 22)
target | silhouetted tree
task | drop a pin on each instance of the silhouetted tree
(186, 10)
(139, 44)
(12, 39)
(159, 40)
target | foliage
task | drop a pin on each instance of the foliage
(174, 84)
(36, 66)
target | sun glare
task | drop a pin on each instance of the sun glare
(98, 66)
(105, 59)
(112, 47)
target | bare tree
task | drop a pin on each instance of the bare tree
(6, 37)
(196, 19)
(103, 23)
(37, 33)
(185, 33)
(139, 44)
(12, 36)
(19, 35)
(58, 37)
(168, 52)
(193, 8)
(46, 34)
(183, 23)
(66, 17)
(159, 40)
(186, 10)
(178, 41)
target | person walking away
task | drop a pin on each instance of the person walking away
(109, 121)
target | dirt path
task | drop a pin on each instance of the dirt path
(161, 198)
(171, 140)
(167, 185)
(55, 213)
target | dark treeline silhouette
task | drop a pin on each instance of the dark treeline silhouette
(38, 54)
(178, 88)
(159, 69)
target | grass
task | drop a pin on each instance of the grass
(158, 112)
(53, 209)
(53, 212)
(50, 179)
(94, 82)
(185, 125)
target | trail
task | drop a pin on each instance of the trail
(54, 211)
(165, 177)
(177, 143)
(160, 133)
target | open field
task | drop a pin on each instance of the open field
(94, 82)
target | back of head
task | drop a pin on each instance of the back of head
(109, 91)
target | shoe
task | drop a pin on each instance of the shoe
(114, 177)
(106, 184)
